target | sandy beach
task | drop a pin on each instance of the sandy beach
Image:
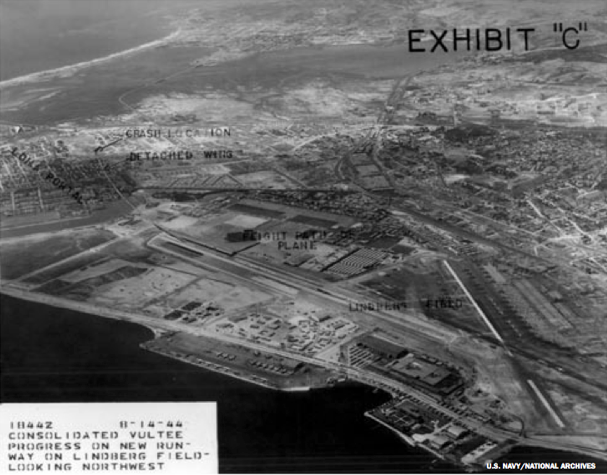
(66, 71)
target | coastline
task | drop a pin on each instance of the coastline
(132, 318)
(72, 305)
(215, 368)
(409, 440)
(125, 316)
(66, 71)
(222, 370)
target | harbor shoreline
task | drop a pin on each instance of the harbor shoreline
(131, 318)
(222, 370)
(408, 439)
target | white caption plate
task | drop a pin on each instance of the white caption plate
(108, 438)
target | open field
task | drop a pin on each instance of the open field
(226, 295)
(75, 264)
(20, 258)
(137, 292)
(112, 212)
(92, 271)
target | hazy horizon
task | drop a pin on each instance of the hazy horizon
(36, 35)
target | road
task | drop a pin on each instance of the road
(356, 374)
(245, 267)
(242, 270)
(414, 327)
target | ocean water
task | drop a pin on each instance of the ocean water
(36, 35)
(55, 355)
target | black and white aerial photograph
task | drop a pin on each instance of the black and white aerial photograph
(303, 236)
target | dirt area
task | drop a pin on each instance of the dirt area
(229, 296)
(553, 91)
(496, 377)
(597, 442)
(180, 223)
(215, 107)
(582, 415)
(92, 271)
(582, 405)
(317, 98)
(137, 292)
(131, 249)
